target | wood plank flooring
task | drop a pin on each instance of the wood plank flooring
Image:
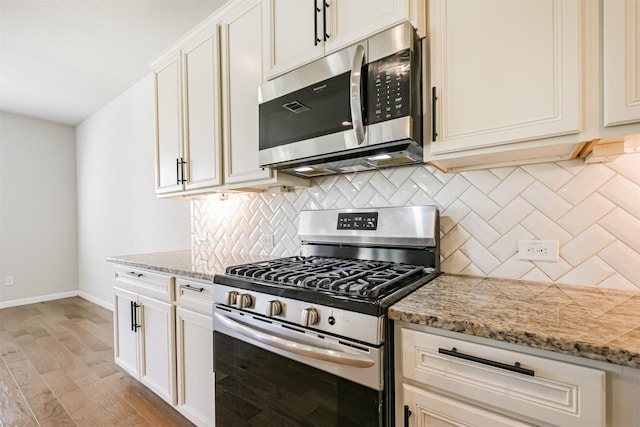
(57, 369)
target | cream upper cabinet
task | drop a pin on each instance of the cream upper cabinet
(241, 76)
(298, 31)
(187, 116)
(621, 50)
(169, 126)
(201, 85)
(503, 72)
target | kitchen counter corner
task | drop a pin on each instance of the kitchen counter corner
(594, 323)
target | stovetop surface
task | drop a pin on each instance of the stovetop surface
(359, 285)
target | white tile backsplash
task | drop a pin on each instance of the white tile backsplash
(591, 209)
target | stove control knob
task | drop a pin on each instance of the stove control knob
(230, 298)
(244, 301)
(310, 317)
(274, 308)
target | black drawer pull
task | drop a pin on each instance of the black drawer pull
(134, 274)
(513, 368)
(191, 288)
(407, 414)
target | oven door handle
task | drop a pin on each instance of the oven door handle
(313, 352)
(356, 94)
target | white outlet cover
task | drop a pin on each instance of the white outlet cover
(539, 250)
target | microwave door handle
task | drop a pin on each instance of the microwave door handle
(356, 94)
(333, 356)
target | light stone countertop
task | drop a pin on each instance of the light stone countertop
(187, 263)
(594, 323)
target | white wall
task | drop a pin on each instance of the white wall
(38, 236)
(118, 212)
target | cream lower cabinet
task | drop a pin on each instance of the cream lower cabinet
(446, 381)
(194, 332)
(144, 329)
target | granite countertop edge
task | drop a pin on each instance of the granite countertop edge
(573, 348)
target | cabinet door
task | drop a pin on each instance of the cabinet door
(434, 410)
(203, 145)
(168, 126)
(157, 347)
(195, 366)
(292, 34)
(504, 71)
(621, 33)
(351, 20)
(125, 336)
(241, 76)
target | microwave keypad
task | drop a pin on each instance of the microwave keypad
(389, 87)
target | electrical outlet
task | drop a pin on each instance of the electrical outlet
(9, 281)
(539, 250)
(266, 240)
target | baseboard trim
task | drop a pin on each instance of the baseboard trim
(102, 303)
(34, 300)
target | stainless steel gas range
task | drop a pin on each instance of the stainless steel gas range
(305, 340)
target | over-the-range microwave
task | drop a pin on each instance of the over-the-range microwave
(357, 109)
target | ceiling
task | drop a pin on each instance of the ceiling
(61, 60)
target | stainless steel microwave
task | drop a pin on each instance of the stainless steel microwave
(357, 109)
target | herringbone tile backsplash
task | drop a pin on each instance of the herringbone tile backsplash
(593, 210)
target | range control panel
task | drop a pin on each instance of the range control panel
(358, 221)
(389, 87)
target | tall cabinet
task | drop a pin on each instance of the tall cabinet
(207, 108)
(187, 113)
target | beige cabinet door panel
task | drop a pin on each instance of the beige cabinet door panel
(504, 71)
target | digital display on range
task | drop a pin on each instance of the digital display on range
(358, 221)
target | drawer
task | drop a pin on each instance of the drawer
(195, 295)
(557, 393)
(145, 282)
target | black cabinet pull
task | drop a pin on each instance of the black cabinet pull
(177, 171)
(182, 163)
(434, 98)
(316, 9)
(135, 325)
(513, 368)
(407, 414)
(134, 274)
(325, 6)
(132, 315)
(191, 288)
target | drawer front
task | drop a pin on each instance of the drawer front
(145, 282)
(197, 296)
(558, 393)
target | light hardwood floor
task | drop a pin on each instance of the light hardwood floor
(57, 369)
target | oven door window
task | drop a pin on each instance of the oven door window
(255, 387)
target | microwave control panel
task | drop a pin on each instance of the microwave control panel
(389, 87)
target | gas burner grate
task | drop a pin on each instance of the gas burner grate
(355, 278)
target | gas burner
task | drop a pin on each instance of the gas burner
(354, 278)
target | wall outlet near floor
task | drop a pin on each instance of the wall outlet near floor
(266, 240)
(9, 281)
(539, 250)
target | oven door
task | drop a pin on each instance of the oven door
(271, 373)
